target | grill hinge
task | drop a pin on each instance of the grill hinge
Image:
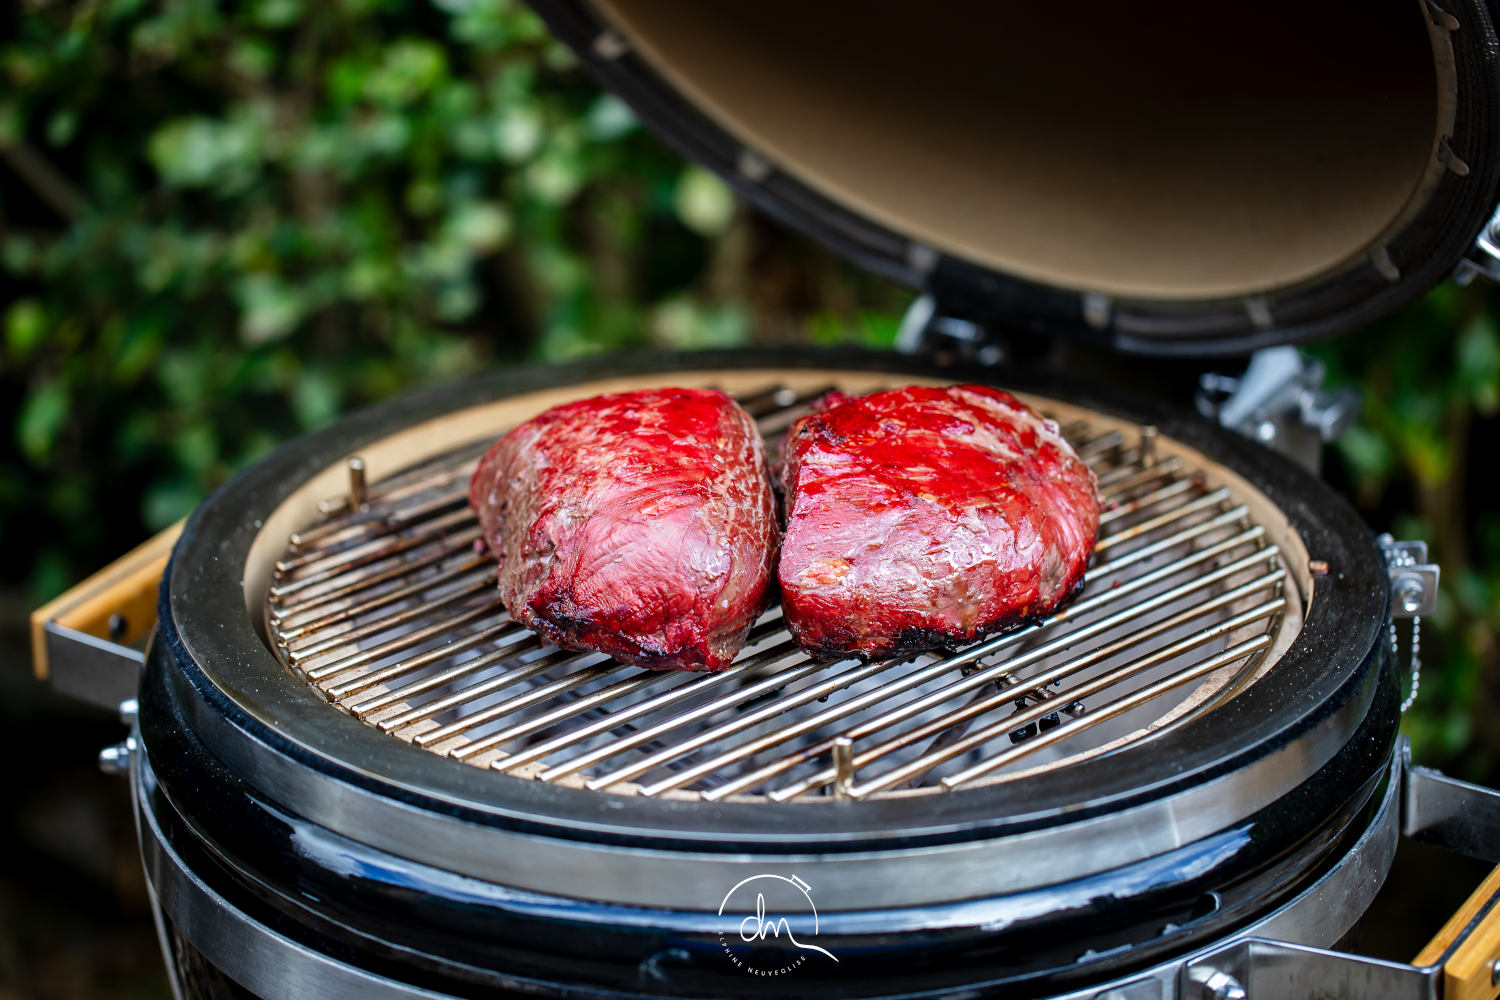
(1483, 258)
(1280, 401)
(927, 331)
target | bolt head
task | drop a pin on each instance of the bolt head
(1410, 594)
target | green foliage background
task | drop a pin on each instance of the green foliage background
(224, 224)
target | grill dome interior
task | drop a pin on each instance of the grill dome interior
(1168, 151)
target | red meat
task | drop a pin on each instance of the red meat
(641, 525)
(923, 517)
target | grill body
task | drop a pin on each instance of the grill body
(281, 834)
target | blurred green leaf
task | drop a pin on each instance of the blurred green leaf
(1366, 452)
(518, 132)
(481, 227)
(270, 308)
(703, 202)
(609, 119)
(167, 502)
(684, 324)
(25, 327)
(197, 152)
(41, 419)
(61, 127)
(1479, 363)
(408, 69)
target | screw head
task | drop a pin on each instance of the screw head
(1410, 593)
(116, 759)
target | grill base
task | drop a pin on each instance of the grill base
(230, 868)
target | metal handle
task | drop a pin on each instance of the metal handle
(83, 641)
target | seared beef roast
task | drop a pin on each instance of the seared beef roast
(921, 517)
(641, 525)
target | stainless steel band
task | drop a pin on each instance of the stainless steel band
(673, 880)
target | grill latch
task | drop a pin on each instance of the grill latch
(1414, 588)
(1414, 580)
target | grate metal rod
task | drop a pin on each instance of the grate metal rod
(1205, 502)
(663, 700)
(1151, 499)
(437, 680)
(1100, 445)
(1088, 689)
(910, 680)
(487, 686)
(977, 708)
(373, 551)
(385, 523)
(1116, 481)
(958, 687)
(1110, 711)
(994, 673)
(576, 679)
(1233, 516)
(365, 577)
(715, 733)
(627, 686)
(406, 640)
(290, 635)
(333, 531)
(1125, 476)
(306, 651)
(364, 682)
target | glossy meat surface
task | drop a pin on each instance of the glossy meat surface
(641, 524)
(923, 517)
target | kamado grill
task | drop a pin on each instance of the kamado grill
(355, 776)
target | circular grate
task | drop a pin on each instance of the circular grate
(388, 607)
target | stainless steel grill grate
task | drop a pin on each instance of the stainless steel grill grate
(388, 608)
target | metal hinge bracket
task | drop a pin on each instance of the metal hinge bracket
(1414, 580)
(1281, 402)
(926, 331)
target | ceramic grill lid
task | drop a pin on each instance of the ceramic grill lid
(1168, 178)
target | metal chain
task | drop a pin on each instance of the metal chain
(1414, 659)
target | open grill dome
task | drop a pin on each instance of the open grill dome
(1166, 179)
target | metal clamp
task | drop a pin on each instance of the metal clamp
(1414, 580)
(1280, 401)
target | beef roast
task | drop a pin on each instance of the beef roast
(921, 517)
(642, 525)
